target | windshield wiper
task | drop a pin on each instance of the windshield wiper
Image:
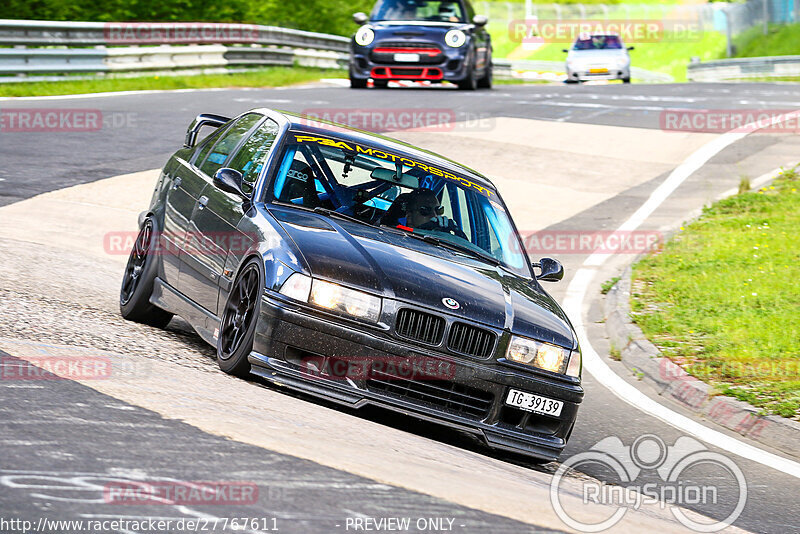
(340, 215)
(453, 246)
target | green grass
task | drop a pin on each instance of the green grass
(779, 41)
(269, 77)
(608, 284)
(722, 298)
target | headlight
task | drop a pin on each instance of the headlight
(543, 356)
(455, 38)
(364, 36)
(297, 287)
(332, 297)
(344, 300)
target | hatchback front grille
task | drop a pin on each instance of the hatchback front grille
(470, 340)
(420, 326)
(444, 394)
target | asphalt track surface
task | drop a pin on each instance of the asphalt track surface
(145, 129)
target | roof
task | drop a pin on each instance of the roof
(300, 122)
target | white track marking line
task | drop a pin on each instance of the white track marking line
(576, 294)
(111, 93)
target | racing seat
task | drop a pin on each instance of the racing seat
(397, 210)
(300, 183)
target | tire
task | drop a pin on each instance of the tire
(469, 83)
(357, 83)
(237, 329)
(626, 80)
(138, 280)
(486, 81)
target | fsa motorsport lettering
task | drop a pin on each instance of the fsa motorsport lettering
(388, 156)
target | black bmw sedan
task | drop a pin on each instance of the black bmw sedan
(357, 268)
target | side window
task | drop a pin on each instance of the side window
(227, 143)
(250, 158)
(454, 201)
(208, 142)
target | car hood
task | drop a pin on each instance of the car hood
(401, 267)
(597, 56)
(414, 31)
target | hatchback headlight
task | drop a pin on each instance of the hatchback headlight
(455, 38)
(332, 297)
(544, 356)
(364, 36)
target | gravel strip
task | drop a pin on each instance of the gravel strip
(56, 296)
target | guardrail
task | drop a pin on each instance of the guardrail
(116, 47)
(744, 68)
(54, 33)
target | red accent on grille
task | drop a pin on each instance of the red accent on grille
(406, 73)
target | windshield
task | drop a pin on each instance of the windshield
(381, 188)
(598, 42)
(420, 10)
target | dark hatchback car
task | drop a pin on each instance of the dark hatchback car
(360, 269)
(433, 40)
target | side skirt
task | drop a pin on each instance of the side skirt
(205, 323)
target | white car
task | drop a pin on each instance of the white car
(598, 57)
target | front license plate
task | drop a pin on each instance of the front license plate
(407, 58)
(534, 403)
(598, 71)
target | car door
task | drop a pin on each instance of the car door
(185, 186)
(226, 213)
(198, 276)
(483, 48)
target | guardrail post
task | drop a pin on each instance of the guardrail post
(728, 32)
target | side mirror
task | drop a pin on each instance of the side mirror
(631, 48)
(360, 18)
(480, 20)
(230, 181)
(204, 119)
(552, 270)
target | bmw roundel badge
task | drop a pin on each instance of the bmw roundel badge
(451, 303)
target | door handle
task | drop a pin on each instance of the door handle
(176, 183)
(201, 202)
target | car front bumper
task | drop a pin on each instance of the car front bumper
(453, 67)
(595, 73)
(471, 398)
